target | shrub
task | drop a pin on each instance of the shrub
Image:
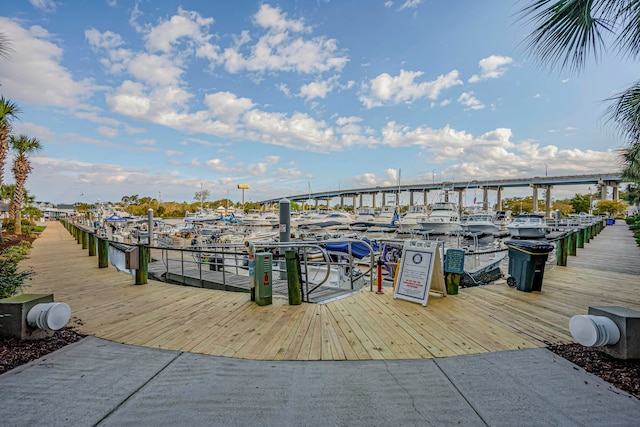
(16, 253)
(11, 280)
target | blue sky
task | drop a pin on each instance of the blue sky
(159, 98)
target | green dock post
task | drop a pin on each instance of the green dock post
(561, 251)
(84, 237)
(92, 244)
(103, 253)
(573, 241)
(293, 277)
(142, 273)
(580, 240)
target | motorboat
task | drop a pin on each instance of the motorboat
(387, 217)
(363, 219)
(479, 223)
(502, 218)
(260, 219)
(333, 221)
(410, 220)
(443, 218)
(528, 226)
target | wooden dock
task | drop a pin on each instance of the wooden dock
(107, 304)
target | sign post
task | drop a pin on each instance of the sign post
(420, 272)
(453, 268)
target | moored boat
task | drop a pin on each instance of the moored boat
(528, 226)
(444, 218)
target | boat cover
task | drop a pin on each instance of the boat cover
(358, 249)
(115, 218)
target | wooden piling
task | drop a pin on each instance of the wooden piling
(573, 242)
(293, 277)
(103, 253)
(142, 273)
(92, 244)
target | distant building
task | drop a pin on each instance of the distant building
(51, 211)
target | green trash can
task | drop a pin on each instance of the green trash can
(527, 259)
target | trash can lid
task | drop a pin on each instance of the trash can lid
(530, 246)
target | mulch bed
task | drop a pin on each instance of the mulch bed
(13, 239)
(623, 374)
(15, 352)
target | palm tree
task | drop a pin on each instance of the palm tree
(8, 112)
(567, 32)
(24, 146)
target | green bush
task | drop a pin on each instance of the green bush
(16, 253)
(12, 280)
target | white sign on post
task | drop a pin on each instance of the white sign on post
(420, 272)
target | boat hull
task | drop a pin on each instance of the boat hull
(528, 232)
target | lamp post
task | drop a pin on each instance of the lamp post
(590, 209)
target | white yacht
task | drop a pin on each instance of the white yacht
(410, 220)
(528, 226)
(443, 218)
(479, 223)
(387, 217)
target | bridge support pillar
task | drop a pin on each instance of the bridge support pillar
(535, 198)
(485, 199)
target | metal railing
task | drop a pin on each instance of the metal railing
(231, 260)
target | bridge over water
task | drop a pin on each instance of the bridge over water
(604, 180)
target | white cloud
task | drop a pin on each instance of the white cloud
(149, 141)
(43, 134)
(185, 25)
(298, 131)
(388, 4)
(257, 169)
(273, 19)
(408, 4)
(278, 50)
(35, 75)
(387, 89)
(471, 102)
(109, 132)
(106, 40)
(174, 153)
(491, 67)
(227, 106)
(318, 89)
(44, 5)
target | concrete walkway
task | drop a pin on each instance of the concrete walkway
(97, 382)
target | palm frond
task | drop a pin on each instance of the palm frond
(628, 39)
(630, 162)
(624, 112)
(567, 31)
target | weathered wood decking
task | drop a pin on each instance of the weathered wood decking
(105, 303)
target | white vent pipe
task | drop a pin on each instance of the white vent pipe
(589, 330)
(49, 316)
